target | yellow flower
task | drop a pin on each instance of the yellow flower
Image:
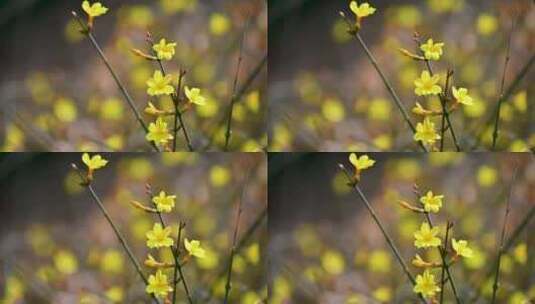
(432, 203)
(164, 50)
(361, 163)
(151, 109)
(461, 95)
(158, 132)
(94, 10)
(432, 51)
(158, 285)
(419, 262)
(95, 162)
(159, 237)
(363, 10)
(427, 85)
(426, 236)
(194, 96)
(461, 248)
(420, 110)
(194, 248)
(426, 285)
(159, 85)
(164, 202)
(425, 132)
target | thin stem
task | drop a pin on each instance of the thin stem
(228, 132)
(234, 239)
(122, 88)
(176, 127)
(444, 111)
(502, 85)
(119, 235)
(444, 265)
(502, 238)
(382, 228)
(177, 253)
(510, 90)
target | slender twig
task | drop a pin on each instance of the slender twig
(386, 82)
(234, 239)
(175, 97)
(85, 30)
(502, 85)
(116, 230)
(228, 132)
(174, 252)
(502, 237)
(444, 111)
(243, 89)
(177, 253)
(510, 90)
(444, 265)
(387, 237)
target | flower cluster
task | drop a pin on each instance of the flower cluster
(428, 85)
(427, 237)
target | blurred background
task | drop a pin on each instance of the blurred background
(325, 248)
(56, 246)
(326, 96)
(56, 93)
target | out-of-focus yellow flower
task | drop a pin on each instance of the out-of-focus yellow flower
(158, 132)
(159, 237)
(252, 100)
(379, 261)
(14, 290)
(112, 109)
(94, 10)
(520, 253)
(339, 31)
(112, 262)
(194, 96)
(115, 294)
(164, 202)
(361, 163)
(383, 294)
(432, 203)
(383, 142)
(461, 95)
(443, 6)
(363, 10)
(408, 16)
(427, 85)
(477, 109)
(426, 285)
(194, 248)
(333, 110)
(164, 50)
(426, 133)
(219, 24)
(65, 110)
(158, 285)
(333, 262)
(478, 260)
(95, 162)
(426, 236)
(461, 248)
(486, 176)
(432, 50)
(487, 24)
(175, 6)
(379, 109)
(115, 142)
(210, 260)
(66, 262)
(252, 253)
(219, 176)
(160, 85)
(520, 101)
(14, 138)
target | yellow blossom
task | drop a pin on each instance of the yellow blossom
(94, 10)
(461, 95)
(159, 85)
(151, 109)
(194, 96)
(427, 84)
(432, 203)
(419, 262)
(361, 163)
(194, 248)
(164, 50)
(159, 237)
(363, 10)
(420, 110)
(426, 236)
(425, 132)
(158, 132)
(164, 202)
(158, 285)
(95, 162)
(461, 248)
(426, 285)
(432, 51)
